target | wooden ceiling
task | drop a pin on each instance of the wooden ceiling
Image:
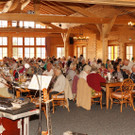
(91, 14)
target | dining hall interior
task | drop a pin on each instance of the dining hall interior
(72, 62)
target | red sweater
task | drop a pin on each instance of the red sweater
(94, 81)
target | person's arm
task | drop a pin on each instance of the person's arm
(101, 78)
(59, 84)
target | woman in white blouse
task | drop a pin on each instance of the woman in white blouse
(85, 72)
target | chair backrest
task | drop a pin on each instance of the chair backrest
(74, 85)
(127, 86)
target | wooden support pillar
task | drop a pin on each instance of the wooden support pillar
(104, 30)
(121, 50)
(10, 46)
(65, 37)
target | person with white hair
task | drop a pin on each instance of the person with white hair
(127, 66)
(71, 73)
(49, 71)
(85, 72)
(59, 83)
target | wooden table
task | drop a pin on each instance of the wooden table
(109, 85)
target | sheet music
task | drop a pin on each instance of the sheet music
(43, 82)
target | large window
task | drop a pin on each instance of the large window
(17, 43)
(3, 47)
(28, 24)
(40, 52)
(29, 47)
(113, 52)
(78, 51)
(29, 41)
(129, 52)
(84, 52)
(17, 52)
(40, 41)
(60, 52)
(81, 49)
(29, 52)
(3, 23)
(40, 47)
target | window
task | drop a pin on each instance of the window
(17, 43)
(14, 23)
(3, 52)
(40, 41)
(3, 47)
(40, 26)
(40, 52)
(78, 51)
(60, 52)
(3, 23)
(29, 52)
(26, 47)
(29, 41)
(29, 24)
(17, 52)
(3, 41)
(84, 52)
(113, 52)
(129, 52)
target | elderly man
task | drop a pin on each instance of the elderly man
(59, 83)
(94, 79)
(49, 71)
(127, 66)
(71, 72)
(85, 72)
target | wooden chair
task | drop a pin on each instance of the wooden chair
(123, 94)
(59, 100)
(45, 97)
(97, 95)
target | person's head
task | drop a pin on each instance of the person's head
(133, 68)
(126, 62)
(99, 61)
(57, 71)
(87, 69)
(94, 69)
(102, 66)
(73, 66)
(49, 66)
(83, 61)
(117, 66)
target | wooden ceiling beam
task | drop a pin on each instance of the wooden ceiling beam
(62, 19)
(50, 19)
(81, 10)
(14, 29)
(52, 26)
(130, 3)
(55, 8)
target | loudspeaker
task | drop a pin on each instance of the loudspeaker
(71, 40)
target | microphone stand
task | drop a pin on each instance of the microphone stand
(40, 107)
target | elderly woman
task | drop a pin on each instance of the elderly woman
(59, 83)
(85, 72)
(71, 73)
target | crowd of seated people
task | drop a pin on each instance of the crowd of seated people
(93, 72)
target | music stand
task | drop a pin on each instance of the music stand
(39, 82)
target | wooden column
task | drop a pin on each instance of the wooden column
(65, 37)
(10, 46)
